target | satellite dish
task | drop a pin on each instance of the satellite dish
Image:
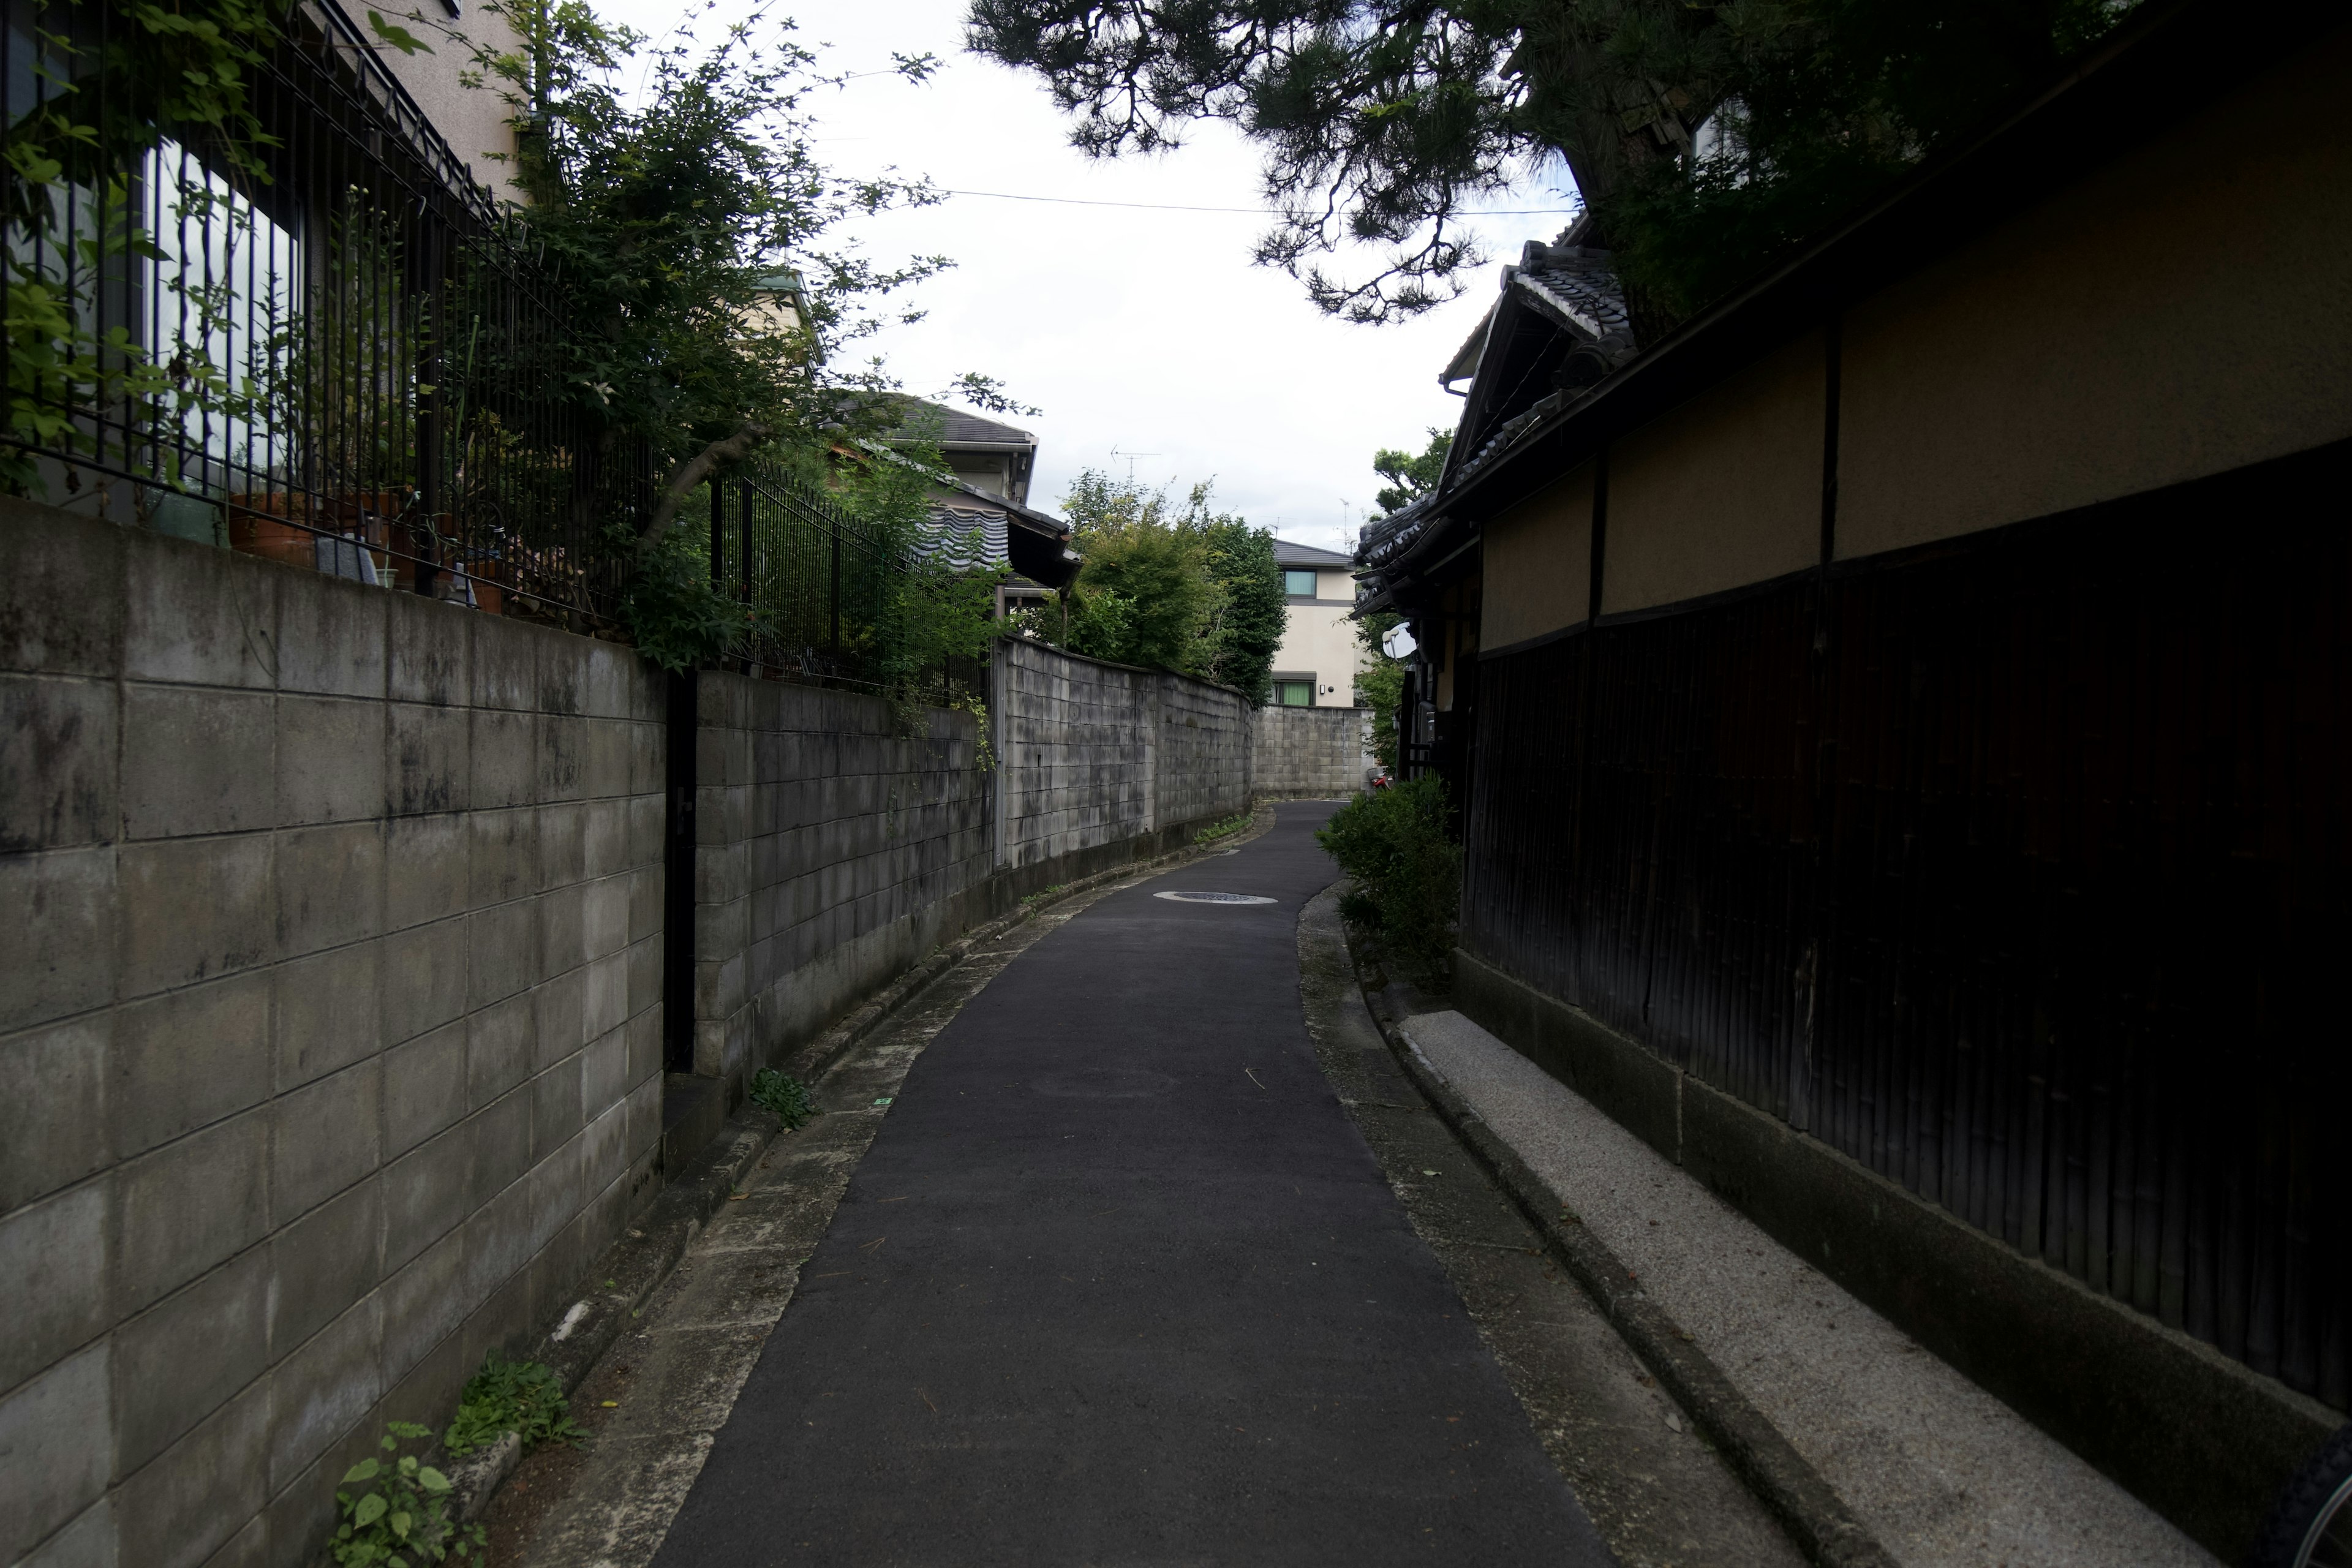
(1397, 643)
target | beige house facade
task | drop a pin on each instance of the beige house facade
(1316, 665)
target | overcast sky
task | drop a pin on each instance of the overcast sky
(1133, 331)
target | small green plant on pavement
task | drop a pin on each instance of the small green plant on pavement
(787, 1096)
(1408, 872)
(519, 1396)
(398, 1516)
(1225, 829)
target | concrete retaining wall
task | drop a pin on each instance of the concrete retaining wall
(328, 1024)
(833, 851)
(331, 1013)
(1093, 755)
(1312, 753)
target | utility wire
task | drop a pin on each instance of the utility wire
(1257, 211)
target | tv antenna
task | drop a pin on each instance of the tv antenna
(1116, 455)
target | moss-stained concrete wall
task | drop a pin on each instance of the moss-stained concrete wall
(834, 849)
(1311, 754)
(328, 1023)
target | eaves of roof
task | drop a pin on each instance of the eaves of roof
(2156, 70)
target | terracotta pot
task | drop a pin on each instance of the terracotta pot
(254, 526)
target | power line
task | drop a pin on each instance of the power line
(1256, 212)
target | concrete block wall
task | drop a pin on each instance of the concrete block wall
(1097, 754)
(833, 851)
(1204, 768)
(1073, 739)
(1313, 753)
(328, 1024)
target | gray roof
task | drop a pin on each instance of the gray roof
(966, 537)
(956, 428)
(1288, 554)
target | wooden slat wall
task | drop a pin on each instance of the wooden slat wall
(2016, 870)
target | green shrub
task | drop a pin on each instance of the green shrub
(1408, 872)
(787, 1096)
(520, 1397)
(399, 1516)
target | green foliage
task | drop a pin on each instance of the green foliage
(1408, 871)
(1225, 829)
(520, 1397)
(673, 615)
(1383, 122)
(1379, 683)
(1247, 611)
(1410, 475)
(1380, 686)
(669, 185)
(1195, 591)
(398, 1516)
(785, 1096)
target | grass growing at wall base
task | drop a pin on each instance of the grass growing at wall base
(519, 1396)
(786, 1096)
(398, 1513)
(1225, 829)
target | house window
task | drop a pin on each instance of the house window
(1294, 694)
(1299, 583)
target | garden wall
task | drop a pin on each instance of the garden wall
(1098, 757)
(834, 850)
(328, 1023)
(1311, 754)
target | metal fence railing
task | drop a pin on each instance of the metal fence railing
(325, 347)
(834, 595)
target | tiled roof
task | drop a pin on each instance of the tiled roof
(1579, 286)
(969, 538)
(955, 427)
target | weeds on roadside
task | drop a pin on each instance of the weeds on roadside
(399, 1516)
(1224, 829)
(1044, 894)
(520, 1397)
(787, 1096)
(1408, 872)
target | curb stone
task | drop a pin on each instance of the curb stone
(1781, 1479)
(643, 1257)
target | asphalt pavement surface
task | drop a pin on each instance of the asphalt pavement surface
(1119, 1282)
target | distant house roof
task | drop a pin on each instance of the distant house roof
(1288, 554)
(952, 428)
(973, 530)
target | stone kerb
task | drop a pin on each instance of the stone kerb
(329, 1022)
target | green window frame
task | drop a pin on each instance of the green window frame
(1298, 581)
(1294, 693)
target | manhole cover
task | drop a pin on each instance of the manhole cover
(1214, 898)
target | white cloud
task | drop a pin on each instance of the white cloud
(1146, 332)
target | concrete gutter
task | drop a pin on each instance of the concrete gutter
(643, 1259)
(1795, 1492)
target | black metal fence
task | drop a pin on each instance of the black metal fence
(837, 595)
(2016, 870)
(327, 349)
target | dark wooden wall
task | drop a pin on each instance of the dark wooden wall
(2014, 868)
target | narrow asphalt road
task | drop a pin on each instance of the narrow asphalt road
(1119, 1282)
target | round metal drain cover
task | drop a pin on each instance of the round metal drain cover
(1214, 898)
